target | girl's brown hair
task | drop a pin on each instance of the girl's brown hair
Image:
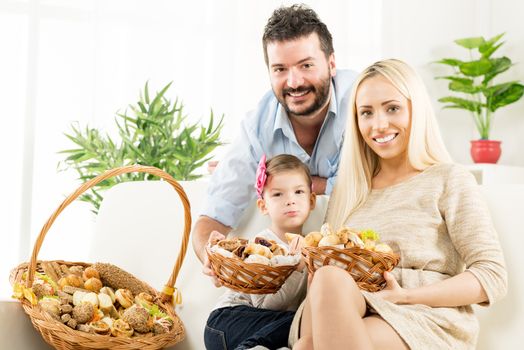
(287, 162)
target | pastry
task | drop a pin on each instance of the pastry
(229, 244)
(254, 248)
(383, 248)
(353, 237)
(124, 297)
(121, 329)
(224, 252)
(290, 236)
(257, 259)
(138, 318)
(325, 229)
(312, 239)
(114, 277)
(285, 260)
(329, 240)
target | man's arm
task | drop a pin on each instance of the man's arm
(203, 228)
(319, 184)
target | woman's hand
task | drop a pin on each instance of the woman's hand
(393, 292)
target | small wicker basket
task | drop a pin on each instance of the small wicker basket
(61, 336)
(365, 266)
(248, 278)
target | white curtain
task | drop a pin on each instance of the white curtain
(83, 60)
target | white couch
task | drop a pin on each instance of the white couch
(139, 228)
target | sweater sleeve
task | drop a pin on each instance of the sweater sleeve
(472, 232)
(288, 297)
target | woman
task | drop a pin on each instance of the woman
(396, 178)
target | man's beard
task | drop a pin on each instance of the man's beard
(321, 92)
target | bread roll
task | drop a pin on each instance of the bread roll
(325, 229)
(329, 240)
(290, 236)
(253, 248)
(281, 260)
(383, 248)
(257, 259)
(312, 239)
(356, 240)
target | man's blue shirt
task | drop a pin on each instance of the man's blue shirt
(267, 130)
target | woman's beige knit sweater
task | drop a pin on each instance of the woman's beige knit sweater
(440, 224)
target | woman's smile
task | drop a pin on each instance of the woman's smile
(385, 139)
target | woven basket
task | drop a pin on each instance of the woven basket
(248, 278)
(365, 266)
(61, 336)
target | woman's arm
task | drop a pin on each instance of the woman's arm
(459, 290)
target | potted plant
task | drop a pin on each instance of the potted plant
(154, 134)
(473, 80)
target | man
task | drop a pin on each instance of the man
(303, 115)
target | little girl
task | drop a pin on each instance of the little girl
(243, 321)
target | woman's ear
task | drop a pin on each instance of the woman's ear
(261, 204)
(313, 200)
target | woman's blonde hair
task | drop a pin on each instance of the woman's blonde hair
(358, 163)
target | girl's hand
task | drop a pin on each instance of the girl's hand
(393, 292)
(295, 247)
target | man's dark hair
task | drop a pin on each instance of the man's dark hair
(293, 22)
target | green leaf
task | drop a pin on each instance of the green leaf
(464, 85)
(504, 95)
(487, 48)
(470, 43)
(491, 50)
(499, 65)
(457, 102)
(476, 68)
(450, 62)
(146, 92)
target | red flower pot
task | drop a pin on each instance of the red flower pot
(485, 151)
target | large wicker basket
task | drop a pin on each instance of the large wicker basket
(365, 266)
(248, 278)
(61, 336)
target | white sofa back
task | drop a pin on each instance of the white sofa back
(135, 215)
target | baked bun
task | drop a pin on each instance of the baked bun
(312, 239)
(257, 259)
(229, 244)
(329, 240)
(325, 229)
(284, 260)
(290, 236)
(383, 248)
(279, 250)
(221, 251)
(355, 239)
(254, 248)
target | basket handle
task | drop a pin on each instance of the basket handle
(169, 287)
